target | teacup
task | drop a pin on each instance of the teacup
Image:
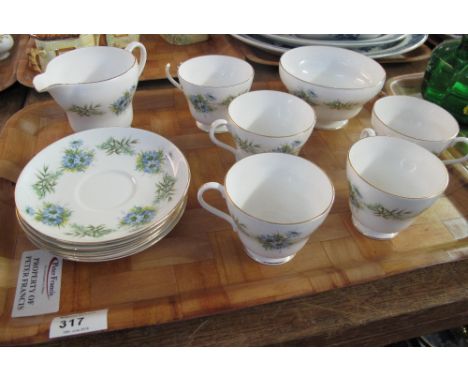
(336, 82)
(210, 83)
(94, 85)
(418, 121)
(275, 202)
(391, 182)
(6, 43)
(266, 121)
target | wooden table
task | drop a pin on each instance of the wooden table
(374, 313)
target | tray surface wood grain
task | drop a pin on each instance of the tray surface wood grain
(9, 65)
(200, 268)
(159, 54)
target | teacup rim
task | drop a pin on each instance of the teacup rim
(447, 178)
(410, 136)
(376, 84)
(100, 81)
(274, 136)
(325, 211)
(251, 76)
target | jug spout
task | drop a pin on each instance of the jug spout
(42, 83)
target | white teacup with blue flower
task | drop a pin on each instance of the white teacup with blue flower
(275, 202)
(210, 83)
(266, 121)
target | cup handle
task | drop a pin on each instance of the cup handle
(170, 78)
(367, 132)
(220, 188)
(214, 127)
(139, 45)
(453, 143)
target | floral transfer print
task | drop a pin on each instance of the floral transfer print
(289, 148)
(123, 102)
(277, 240)
(254, 148)
(86, 110)
(246, 145)
(46, 182)
(118, 146)
(165, 189)
(274, 241)
(355, 198)
(338, 105)
(311, 98)
(78, 230)
(77, 159)
(150, 162)
(208, 103)
(202, 104)
(138, 216)
(307, 95)
(52, 214)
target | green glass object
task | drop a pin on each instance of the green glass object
(446, 78)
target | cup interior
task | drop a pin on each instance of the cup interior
(398, 167)
(279, 188)
(90, 64)
(416, 118)
(271, 113)
(332, 67)
(215, 71)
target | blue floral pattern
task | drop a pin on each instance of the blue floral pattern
(274, 241)
(277, 240)
(150, 162)
(138, 216)
(123, 102)
(202, 103)
(52, 214)
(289, 148)
(77, 159)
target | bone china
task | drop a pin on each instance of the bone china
(336, 82)
(94, 85)
(266, 121)
(391, 182)
(210, 83)
(417, 121)
(275, 202)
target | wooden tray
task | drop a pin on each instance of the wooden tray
(159, 53)
(200, 269)
(8, 66)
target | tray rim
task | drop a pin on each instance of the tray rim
(23, 67)
(15, 54)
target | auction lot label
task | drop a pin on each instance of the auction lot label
(38, 286)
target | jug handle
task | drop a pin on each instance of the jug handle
(139, 45)
(170, 78)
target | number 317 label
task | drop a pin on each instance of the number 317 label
(78, 324)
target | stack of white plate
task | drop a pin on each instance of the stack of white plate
(371, 45)
(102, 194)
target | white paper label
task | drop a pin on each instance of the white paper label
(78, 324)
(38, 286)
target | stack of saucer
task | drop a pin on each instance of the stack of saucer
(102, 194)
